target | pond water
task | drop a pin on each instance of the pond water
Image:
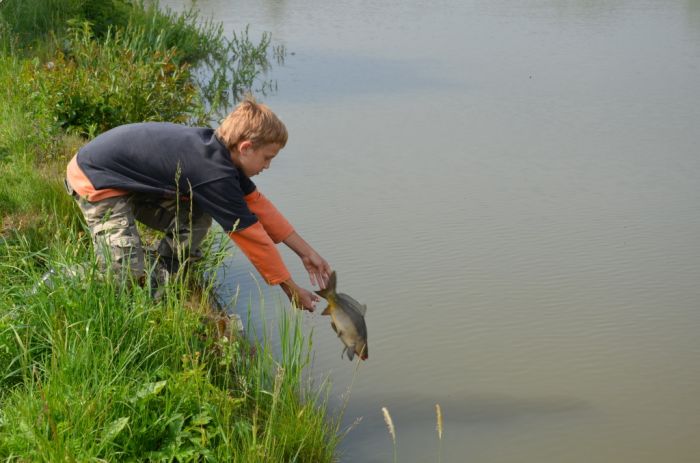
(513, 189)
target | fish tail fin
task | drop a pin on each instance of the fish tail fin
(329, 290)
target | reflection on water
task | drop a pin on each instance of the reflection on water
(512, 188)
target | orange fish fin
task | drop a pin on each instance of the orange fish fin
(327, 310)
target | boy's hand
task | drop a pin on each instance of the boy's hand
(299, 296)
(318, 268)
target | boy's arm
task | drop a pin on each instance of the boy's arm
(258, 247)
(269, 216)
(280, 230)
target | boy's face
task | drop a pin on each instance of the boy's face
(252, 159)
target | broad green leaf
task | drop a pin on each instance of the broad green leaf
(201, 419)
(149, 389)
(114, 428)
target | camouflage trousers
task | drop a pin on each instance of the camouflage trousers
(112, 224)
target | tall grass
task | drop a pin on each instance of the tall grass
(33, 154)
(33, 20)
(90, 370)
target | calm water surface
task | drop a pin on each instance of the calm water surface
(513, 188)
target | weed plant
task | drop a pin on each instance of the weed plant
(102, 83)
(195, 49)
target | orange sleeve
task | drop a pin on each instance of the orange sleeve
(258, 247)
(271, 219)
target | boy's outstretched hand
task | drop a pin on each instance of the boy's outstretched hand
(318, 268)
(299, 296)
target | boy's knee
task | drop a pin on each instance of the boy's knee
(155, 213)
(116, 239)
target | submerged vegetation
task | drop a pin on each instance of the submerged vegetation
(90, 371)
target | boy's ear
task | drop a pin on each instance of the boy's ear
(244, 145)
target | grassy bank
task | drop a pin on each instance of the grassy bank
(89, 371)
(94, 372)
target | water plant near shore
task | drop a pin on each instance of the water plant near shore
(392, 430)
(438, 428)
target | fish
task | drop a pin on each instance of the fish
(347, 320)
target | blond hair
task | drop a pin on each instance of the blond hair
(254, 122)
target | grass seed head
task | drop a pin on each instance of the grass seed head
(389, 423)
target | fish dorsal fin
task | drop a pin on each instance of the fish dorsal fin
(327, 310)
(363, 309)
(329, 291)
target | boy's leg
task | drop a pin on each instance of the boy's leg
(113, 228)
(185, 227)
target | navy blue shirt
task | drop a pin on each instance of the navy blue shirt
(168, 159)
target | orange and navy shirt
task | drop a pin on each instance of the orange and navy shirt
(166, 160)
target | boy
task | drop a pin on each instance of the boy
(176, 179)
